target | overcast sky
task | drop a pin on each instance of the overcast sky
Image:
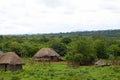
(51, 16)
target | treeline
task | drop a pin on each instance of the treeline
(107, 33)
(84, 49)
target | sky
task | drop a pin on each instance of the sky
(54, 16)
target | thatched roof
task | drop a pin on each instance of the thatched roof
(101, 63)
(1, 54)
(11, 58)
(46, 52)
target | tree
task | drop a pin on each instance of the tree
(114, 50)
(15, 47)
(101, 49)
(66, 40)
(44, 39)
(59, 48)
(82, 51)
(114, 53)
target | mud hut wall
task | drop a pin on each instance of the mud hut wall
(54, 58)
(42, 59)
(14, 67)
(47, 58)
(2, 67)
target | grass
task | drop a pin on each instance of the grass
(59, 71)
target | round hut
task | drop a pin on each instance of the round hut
(46, 54)
(11, 61)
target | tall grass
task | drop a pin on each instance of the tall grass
(58, 71)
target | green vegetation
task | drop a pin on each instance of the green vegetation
(59, 71)
(82, 51)
(81, 47)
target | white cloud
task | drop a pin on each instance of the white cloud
(111, 5)
(45, 16)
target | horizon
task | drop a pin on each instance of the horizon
(58, 16)
(59, 32)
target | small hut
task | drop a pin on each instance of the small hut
(46, 54)
(11, 61)
(101, 63)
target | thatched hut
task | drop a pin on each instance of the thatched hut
(46, 54)
(11, 61)
(101, 63)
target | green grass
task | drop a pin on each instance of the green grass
(57, 71)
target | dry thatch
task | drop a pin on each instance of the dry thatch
(101, 63)
(46, 52)
(1, 54)
(11, 58)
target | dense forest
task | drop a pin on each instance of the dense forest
(84, 47)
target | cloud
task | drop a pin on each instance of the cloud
(111, 5)
(44, 16)
(52, 3)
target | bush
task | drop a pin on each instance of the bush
(59, 48)
(82, 51)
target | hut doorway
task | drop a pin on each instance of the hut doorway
(5, 67)
(52, 57)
